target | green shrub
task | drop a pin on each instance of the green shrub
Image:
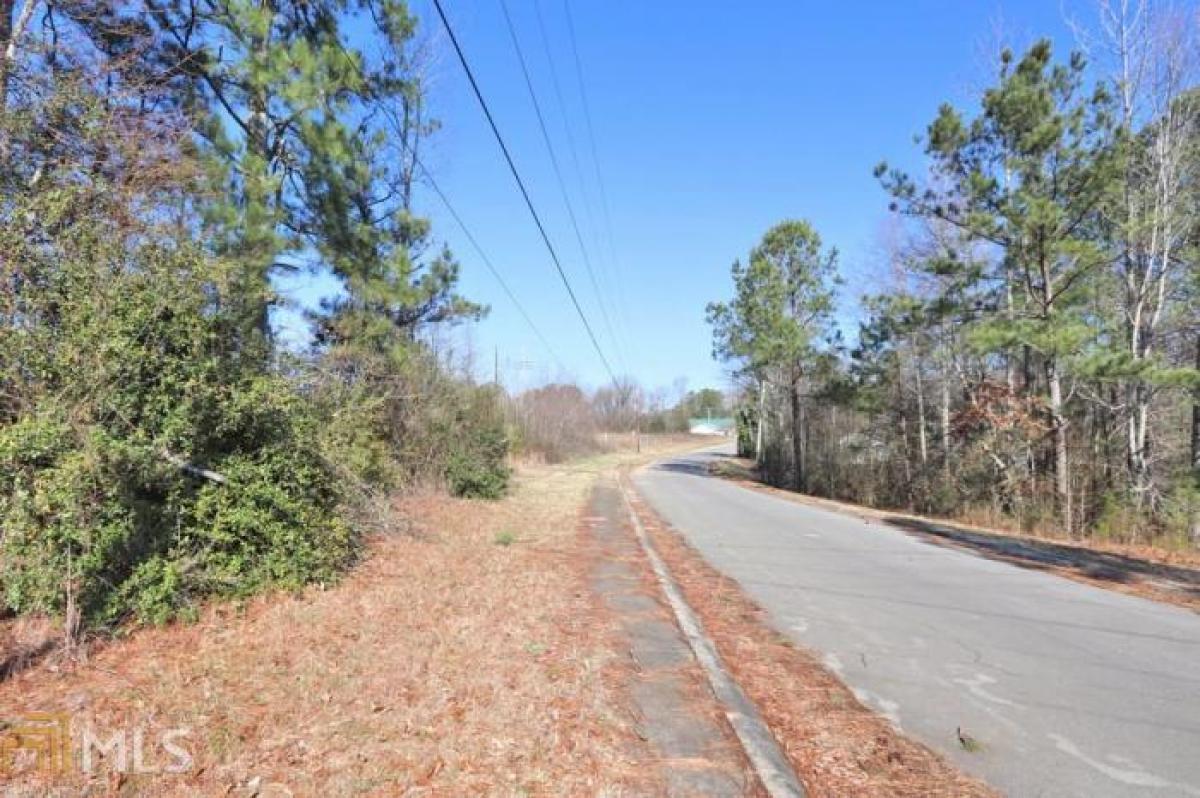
(1181, 512)
(477, 469)
(155, 592)
(272, 524)
(132, 379)
(747, 420)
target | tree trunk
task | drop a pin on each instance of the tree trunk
(1027, 369)
(797, 437)
(11, 32)
(758, 432)
(1136, 443)
(1062, 473)
(831, 456)
(1196, 418)
(945, 421)
(1196, 449)
(922, 436)
(7, 8)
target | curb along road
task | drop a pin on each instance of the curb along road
(769, 762)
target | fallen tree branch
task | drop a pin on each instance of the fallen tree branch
(193, 470)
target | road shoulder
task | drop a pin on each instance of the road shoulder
(676, 715)
(836, 745)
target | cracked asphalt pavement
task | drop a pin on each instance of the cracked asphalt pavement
(1061, 688)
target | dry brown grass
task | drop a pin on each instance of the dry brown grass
(838, 747)
(24, 642)
(463, 657)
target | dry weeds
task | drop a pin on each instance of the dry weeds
(445, 664)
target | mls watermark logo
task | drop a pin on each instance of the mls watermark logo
(44, 737)
(42, 742)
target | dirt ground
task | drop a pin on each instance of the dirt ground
(471, 653)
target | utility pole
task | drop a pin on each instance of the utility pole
(496, 367)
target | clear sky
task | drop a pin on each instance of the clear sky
(712, 122)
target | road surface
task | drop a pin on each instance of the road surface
(1071, 690)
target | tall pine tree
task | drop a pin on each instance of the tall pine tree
(1029, 176)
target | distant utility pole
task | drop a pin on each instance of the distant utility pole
(496, 367)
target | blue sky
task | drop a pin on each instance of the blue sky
(712, 122)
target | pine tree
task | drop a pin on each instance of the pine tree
(312, 114)
(782, 308)
(1028, 175)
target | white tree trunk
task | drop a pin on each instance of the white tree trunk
(758, 432)
(945, 421)
(1062, 472)
(922, 435)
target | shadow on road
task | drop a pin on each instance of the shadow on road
(696, 469)
(1048, 556)
(716, 464)
(1175, 584)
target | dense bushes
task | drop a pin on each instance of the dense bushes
(157, 444)
(150, 455)
(147, 456)
(405, 420)
(477, 469)
(477, 466)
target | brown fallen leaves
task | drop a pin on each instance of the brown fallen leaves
(445, 664)
(465, 656)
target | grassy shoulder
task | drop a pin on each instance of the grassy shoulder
(464, 654)
(1170, 575)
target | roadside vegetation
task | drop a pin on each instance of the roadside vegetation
(465, 655)
(305, 531)
(1033, 360)
(162, 440)
(174, 426)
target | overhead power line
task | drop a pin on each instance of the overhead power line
(568, 128)
(462, 58)
(488, 263)
(562, 185)
(591, 131)
(470, 238)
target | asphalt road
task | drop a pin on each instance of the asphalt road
(1070, 690)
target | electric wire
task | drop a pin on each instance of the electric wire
(573, 147)
(488, 263)
(462, 58)
(591, 131)
(562, 186)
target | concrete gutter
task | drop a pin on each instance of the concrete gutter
(769, 762)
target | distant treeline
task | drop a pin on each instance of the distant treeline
(1033, 358)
